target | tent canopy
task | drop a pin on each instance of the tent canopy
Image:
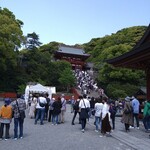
(38, 89)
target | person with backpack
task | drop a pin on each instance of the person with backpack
(127, 116)
(18, 107)
(76, 110)
(40, 109)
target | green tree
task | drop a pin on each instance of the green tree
(101, 49)
(10, 40)
(32, 41)
(67, 79)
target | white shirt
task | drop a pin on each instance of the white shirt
(42, 100)
(105, 110)
(84, 103)
(98, 109)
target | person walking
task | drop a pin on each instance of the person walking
(84, 105)
(72, 102)
(127, 116)
(40, 109)
(136, 106)
(5, 118)
(51, 109)
(47, 106)
(98, 114)
(105, 118)
(113, 111)
(76, 110)
(57, 105)
(18, 107)
(146, 116)
(63, 109)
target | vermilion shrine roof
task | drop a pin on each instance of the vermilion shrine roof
(70, 50)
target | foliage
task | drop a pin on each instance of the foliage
(35, 63)
(10, 40)
(67, 79)
(32, 41)
(108, 47)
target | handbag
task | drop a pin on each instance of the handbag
(87, 109)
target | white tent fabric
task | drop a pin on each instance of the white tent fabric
(38, 89)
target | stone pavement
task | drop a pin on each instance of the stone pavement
(68, 137)
(136, 138)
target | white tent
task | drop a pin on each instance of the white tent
(38, 88)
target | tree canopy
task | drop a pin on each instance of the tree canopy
(35, 62)
(116, 81)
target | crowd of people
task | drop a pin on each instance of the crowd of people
(86, 83)
(42, 108)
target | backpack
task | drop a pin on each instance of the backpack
(76, 106)
(41, 104)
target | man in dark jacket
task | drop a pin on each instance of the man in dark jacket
(76, 110)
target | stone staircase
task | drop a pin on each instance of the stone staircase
(92, 94)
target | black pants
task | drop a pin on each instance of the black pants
(126, 127)
(50, 115)
(136, 116)
(7, 126)
(113, 121)
(74, 116)
(83, 123)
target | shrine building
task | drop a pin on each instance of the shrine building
(74, 55)
(137, 58)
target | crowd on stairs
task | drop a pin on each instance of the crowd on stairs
(86, 83)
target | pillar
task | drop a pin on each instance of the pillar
(148, 82)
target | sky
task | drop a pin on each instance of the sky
(77, 21)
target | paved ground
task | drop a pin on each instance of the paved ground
(68, 137)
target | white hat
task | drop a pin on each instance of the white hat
(127, 98)
(132, 97)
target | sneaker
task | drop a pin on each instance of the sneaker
(5, 139)
(82, 130)
(131, 127)
(15, 139)
(21, 137)
(96, 130)
(137, 128)
(101, 136)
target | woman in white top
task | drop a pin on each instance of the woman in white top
(83, 105)
(98, 113)
(105, 118)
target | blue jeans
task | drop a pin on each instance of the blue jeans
(55, 119)
(40, 112)
(98, 122)
(146, 122)
(18, 122)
